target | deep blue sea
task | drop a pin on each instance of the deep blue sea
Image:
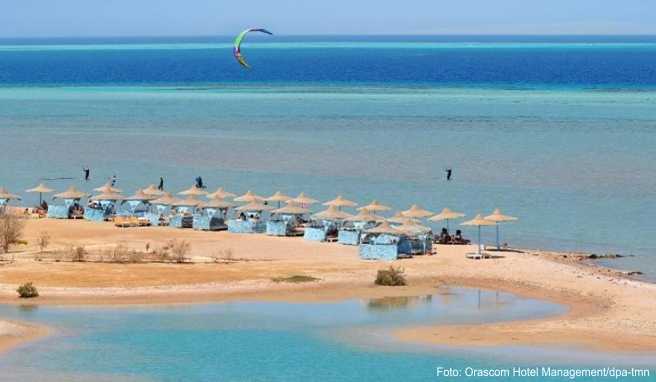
(558, 131)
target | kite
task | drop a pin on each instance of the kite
(239, 39)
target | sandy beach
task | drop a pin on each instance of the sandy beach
(607, 311)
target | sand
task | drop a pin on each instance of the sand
(607, 311)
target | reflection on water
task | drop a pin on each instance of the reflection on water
(485, 300)
(397, 302)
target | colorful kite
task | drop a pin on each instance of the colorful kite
(237, 49)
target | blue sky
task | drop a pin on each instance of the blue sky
(51, 18)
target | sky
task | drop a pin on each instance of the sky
(91, 18)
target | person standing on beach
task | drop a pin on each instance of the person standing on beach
(161, 183)
(87, 173)
(449, 172)
(114, 180)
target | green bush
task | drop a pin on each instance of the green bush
(391, 277)
(295, 279)
(27, 290)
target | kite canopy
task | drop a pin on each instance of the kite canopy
(239, 39)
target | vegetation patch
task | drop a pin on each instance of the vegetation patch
(27, 290)
(296, 279)
(391, 277)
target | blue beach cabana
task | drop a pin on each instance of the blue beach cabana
(70, 207)
(137, 205)
(326, 224)
(212, 215)
(102, 207)
(383, 242)
(352, 228)
(250, 218)
(160, 210)
(287, 221)
(419, 239)
(5, 198)
(183, 211)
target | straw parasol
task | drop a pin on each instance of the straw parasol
(398, 218)
(107, 197)
(107, 188)
(193, 191)
(365, 216)
(331, 213)
(188, 202)
(498, 217)
(140, 196)
(416, 212)
(447, 215)
(41, 189)
(478, 221)
(165, 200)
(292, 209)
(249, 197)
(278, 197)
(71, 193)
(411, 227)
(384, 228)
(374, 206)
(340, 202)
(255, 206)
(152, 190)
(220, 193)
(303, 200)
(217, 203)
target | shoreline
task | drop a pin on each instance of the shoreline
(606, 310)
(14, 334)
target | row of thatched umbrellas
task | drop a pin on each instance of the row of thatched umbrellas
(408, 220)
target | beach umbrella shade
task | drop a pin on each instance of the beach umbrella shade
(220, 193)
(416, 212)
(398, 218)
(365, 216)
(106, 197)
(140, 196)
(41, 189)
(374, 206)
(340, 202)
(331, 213)
(413, 228)
(479, 222)
(107, 188)
(292, 209)
(447, 215)
(303, 200)
(254, 207)
(188, 202)
(384, 228)
(278, 197)
(165, 200)
(193, 191)
(153, 190)
(250, 197)
(497, 217)
(217, 203)
(71, 193)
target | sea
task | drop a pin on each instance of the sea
(559, 131)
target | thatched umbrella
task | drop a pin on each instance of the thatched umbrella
(220, 193)
(498, 217)
(140, 196)
(374, 206)
(188, 202)
(71, 193)
(365, 216)
(153, 190)
(478, 222)
(217, 203)
(165, 200)
(107, 197)
(447, 215)
(249, 197)
(331, 213)
(413, 228)
(398, 218)
(278, 197)
(107, 188)
(254, 207)
(41, 189)
(193, 191)
(340, 202)
(292, 209)
(416, 212)
(384, 228)
(303, 200)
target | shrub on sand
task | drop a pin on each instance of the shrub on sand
(27, 290)
(11, 230)
(295, 279)
(179, 250)
(391, 277)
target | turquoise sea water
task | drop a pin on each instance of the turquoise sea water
(257, 341)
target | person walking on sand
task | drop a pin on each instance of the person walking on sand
(161, 183)
(87, 173)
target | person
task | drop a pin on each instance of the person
(449, 172)
(44, 206)
(161, 184)
(199, 182)
(114, 178)
(87, 173)
(444, 238)
(458, 239)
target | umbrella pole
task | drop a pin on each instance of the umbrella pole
(498, 244)
(479, 240)
(447, 225)
(40, 198)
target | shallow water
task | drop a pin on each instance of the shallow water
(272, 341)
